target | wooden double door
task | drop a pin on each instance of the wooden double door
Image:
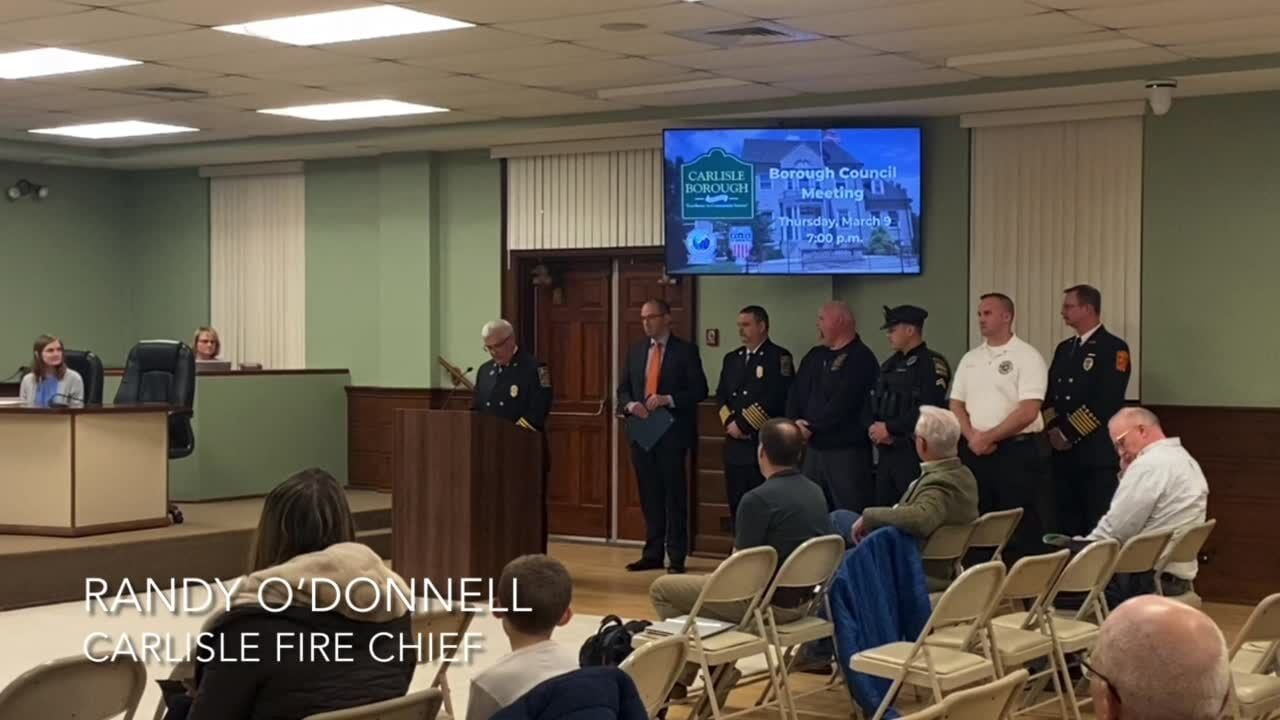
(581, 315)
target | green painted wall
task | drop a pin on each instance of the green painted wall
(468, 241)
(1209, 252)
(66, 264)
(169, 228)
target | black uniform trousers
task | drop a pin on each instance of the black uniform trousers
(1015, 475)
(896, 468)
(844, 474)
(1082, 492)
(664, 499)
(739, 480)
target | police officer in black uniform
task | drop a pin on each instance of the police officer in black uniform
(515, 386)
(753, 386)
(1087, 382)
(913, 376)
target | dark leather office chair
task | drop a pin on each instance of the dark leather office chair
(164, 371)
(89, 367)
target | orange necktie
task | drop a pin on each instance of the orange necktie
(655, 368)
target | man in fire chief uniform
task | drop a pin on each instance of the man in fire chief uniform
(514, 386)
(1087, 382)
(913, 376)
(753, 386)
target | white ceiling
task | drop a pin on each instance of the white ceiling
(530, 59)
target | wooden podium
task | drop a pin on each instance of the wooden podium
(467, 496)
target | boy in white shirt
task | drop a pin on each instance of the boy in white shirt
(538, 590)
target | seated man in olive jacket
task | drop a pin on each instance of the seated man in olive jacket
(946, 492)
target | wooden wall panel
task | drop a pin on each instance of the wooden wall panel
(710, 505)
(1238, 451)
(371, 414)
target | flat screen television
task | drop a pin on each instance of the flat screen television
(820, 201)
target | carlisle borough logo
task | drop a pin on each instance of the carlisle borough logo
(1006, 367)
(717, 186)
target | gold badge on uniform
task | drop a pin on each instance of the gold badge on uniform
(544, 376)
(1088, 363)
(515, 390)
(759, 372)
(786, 366)
(839, 363)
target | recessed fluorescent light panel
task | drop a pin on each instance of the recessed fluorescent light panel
(54, 61)
(111, 130)
(359, 109)
(346, 25)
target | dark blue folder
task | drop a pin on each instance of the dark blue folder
(646, 432)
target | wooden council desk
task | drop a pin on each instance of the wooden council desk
(84, 471)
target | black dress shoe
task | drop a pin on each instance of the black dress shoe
(676, 570)
(641, 565)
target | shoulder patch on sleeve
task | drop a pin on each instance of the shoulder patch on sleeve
(940, 367)
(1122, 361)
(787, 368)
(544, 376)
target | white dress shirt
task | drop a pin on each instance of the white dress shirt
(992, 380)
(1163, 488)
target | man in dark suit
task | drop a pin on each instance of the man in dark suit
(514, 386)
(663, 371)
(1087, 382)
(753, 386)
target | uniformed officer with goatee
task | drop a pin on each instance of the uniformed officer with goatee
(754, 381)
(913, 376)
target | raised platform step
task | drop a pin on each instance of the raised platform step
(213, 542)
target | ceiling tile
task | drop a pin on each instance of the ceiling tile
(505, 11)
(987, 36)
(279, 58)
(668, 18)
(1078, 4)
(448, 42)
(849, 83)
(563, 105)
(133, 76)
(800, 71)
(81, 101)
(86, 27)
(1207, 32)
(912, 16)
(515, 97)
(171, 46)
(10, 89)
(1075, 63)
(833, 51)
(442, 92)
(226, 12)
(609, 73)
(1173, 12)
(1231, 48)
(355, 72)
(646, 44)
(281, 98)
(519, 58)
(772, 9)
(25, 9)
(714, 95)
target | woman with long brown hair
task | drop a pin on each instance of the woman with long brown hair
(305, 534)
(50, 383)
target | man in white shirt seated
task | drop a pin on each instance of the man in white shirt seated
(1161, 488)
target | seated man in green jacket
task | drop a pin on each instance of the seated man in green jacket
(946, 492)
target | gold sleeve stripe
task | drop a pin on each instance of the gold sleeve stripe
(724, 414)
(525, 424)
(1074, 419)
(755, 416)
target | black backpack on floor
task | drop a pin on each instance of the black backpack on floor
(612, 642)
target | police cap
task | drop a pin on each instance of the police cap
(909, 314)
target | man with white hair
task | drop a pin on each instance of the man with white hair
(1161, 488)
(946, 493)
(514, 386)
(1157, 659)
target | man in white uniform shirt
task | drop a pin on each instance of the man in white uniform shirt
(996, 395)
(1161, 488)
